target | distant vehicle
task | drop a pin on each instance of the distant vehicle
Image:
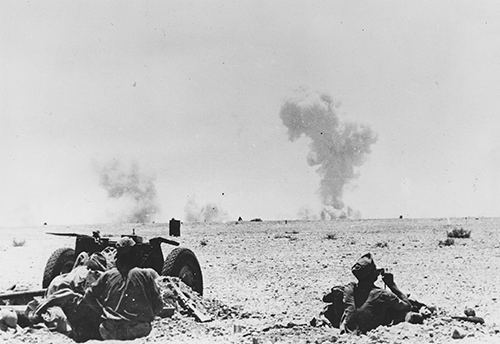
(181, 262)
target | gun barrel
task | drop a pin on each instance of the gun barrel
(65, 234)
(27, 293)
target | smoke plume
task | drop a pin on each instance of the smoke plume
(137, 190)
(337, 148)
(306, 214)
(210, 212)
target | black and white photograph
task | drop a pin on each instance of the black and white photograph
(252, 172)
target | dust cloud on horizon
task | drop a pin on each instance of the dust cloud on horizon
(135, 191)
(210, 212)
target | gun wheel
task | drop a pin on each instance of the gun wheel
(60, 262)
(182, 263)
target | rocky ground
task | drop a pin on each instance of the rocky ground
(266, 279)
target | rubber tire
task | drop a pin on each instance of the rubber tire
(59, 262)
(182, 263)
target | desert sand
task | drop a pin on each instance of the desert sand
(268, 278)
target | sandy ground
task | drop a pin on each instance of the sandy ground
(275, 274)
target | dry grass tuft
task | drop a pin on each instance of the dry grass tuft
(447, 242)
(285, 236)
(382, 244)
(18, 242)
(331, 236)
(458, 232)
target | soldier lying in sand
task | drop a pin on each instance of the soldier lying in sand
(127, 295)
(62, 310)
(362, 306)
(120, 304)
(86, 271)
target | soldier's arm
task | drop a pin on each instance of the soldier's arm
(95, 292)
(401, 296)
(401, 301)
(397, 303)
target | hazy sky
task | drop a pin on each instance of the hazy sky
(192, 91)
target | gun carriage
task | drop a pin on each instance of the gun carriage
(180, 262)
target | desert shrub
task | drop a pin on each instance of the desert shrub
(292, 232)
(458, 232)
(331, 236)
(18, 242)
(203, 242)
(381, 244)
(285, 236)
(447, 242)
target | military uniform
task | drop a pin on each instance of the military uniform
(129, 303)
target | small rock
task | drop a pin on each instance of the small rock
(425, 312)
(457, 334)
(470, 312)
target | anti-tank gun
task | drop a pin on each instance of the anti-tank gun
(180, 262)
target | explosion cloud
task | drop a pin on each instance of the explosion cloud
(306, 213)
(138, 190)
(211, 212)
(337, 148)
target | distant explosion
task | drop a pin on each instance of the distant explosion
(137, 190)
(337, 148)
(306, 213)
(210, 212)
